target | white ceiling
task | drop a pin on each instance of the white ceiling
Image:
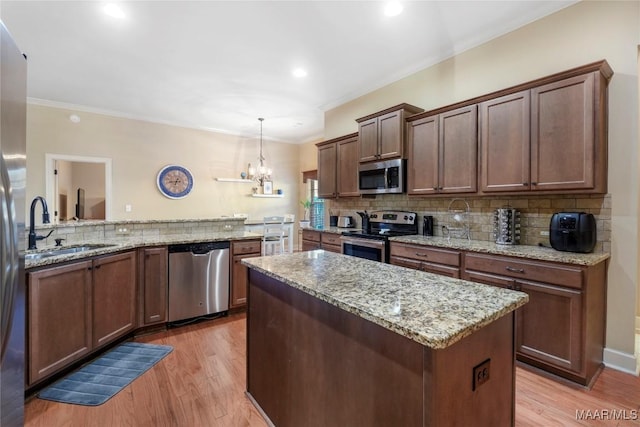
(219, 65)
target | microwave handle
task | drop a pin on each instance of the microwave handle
(386, 177)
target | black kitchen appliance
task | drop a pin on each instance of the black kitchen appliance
(378, 226)
(427, 226)
(572, 231)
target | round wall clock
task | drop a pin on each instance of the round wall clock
(175, 181)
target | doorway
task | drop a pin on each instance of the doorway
(78, 187)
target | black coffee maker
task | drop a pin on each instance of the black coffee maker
(366, 225)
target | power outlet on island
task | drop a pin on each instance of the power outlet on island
(481, 374)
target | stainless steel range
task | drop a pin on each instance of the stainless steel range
(377, 226)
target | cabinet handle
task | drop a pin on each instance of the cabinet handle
(525, 183)
(514, 270)
(534, 183)
(422, 255)
(97, 267)
(517, 287)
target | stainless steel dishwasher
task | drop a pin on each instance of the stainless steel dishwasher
(198, 279)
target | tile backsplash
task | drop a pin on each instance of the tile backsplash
(535, 212)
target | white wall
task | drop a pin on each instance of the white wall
(583, 33)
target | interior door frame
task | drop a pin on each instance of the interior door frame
(50, 164)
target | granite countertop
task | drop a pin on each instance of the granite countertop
(433, 310)
(332, 230)
(519, 251)
(113, 245)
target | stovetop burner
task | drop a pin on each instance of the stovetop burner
(385, 224)
(382, 235)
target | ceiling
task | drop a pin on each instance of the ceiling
(219, 65)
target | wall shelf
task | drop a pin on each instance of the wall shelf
(233, 180)
(265, 196)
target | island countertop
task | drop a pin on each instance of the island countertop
(430, 309)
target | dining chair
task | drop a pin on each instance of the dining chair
(273, 235)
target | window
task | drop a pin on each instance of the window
(317, 205)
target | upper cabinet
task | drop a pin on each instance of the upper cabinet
(550, 137)
(442, 152)
(382, 134)
(338, 167)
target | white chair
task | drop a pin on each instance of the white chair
(273, 235)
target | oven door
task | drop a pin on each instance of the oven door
(372, 249)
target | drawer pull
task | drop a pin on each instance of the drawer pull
(422, 255)
(514, 270)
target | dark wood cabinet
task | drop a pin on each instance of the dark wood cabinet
(444, 262)
(327, 170)
(505, 143)
(240, 250)
(382, 134)
(338, 167)
(152, 285)
(330, 242)
(442, 152)
(561, 328)
(76, 308)
(549, 138)
(310, 240)
(59, 318)
(564, 155)
(114, 297)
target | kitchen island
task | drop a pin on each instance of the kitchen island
(338, 340)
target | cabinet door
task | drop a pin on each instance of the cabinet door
(423, 155)
(59, 318)
(391, 135)
(347, 166)
(114, 297)
(459, 150)
(239, 276)
(308, 245)
(368, 139)
(327, 158)
(562, 135)
(505, 143)
(549, 326)
(153, 285)
(489, 279)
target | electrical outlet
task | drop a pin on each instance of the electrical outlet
(481, 374)
(122, 231)
(127, 208)
(544, 233)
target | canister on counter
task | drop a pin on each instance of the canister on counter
(427, 225)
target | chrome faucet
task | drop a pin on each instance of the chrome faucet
(33, 237)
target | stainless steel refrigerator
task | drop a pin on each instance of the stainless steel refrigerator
(13, 179)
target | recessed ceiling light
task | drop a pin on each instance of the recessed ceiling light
(299, 72)
(393, 8)
(114, 11)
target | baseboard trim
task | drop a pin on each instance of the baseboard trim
(620, 361)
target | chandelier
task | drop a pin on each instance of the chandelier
(263, 173)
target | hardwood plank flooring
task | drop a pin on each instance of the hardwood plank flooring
(202, 382)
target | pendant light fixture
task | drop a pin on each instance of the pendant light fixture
(263, 173)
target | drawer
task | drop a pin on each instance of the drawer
(245, 247)
(331, 239)
(332, 248)
(424, 253)
(310, 246)
(538, 271)
(311, 235)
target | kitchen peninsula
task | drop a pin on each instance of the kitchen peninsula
(339, 340)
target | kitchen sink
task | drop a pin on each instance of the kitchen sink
(65, 250)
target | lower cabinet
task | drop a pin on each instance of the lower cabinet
(152, 285)
(310, 240)
(239, 251)
(76, 308)
(432, 260)
(561, 328)
(330, 242)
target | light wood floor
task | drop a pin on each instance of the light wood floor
(201, 383)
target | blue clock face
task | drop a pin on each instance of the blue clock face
(175, 181)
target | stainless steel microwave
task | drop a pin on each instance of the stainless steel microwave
(382, 177)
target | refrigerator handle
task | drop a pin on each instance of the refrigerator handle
(8, 255)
